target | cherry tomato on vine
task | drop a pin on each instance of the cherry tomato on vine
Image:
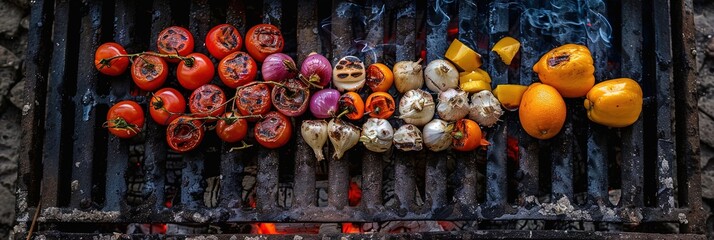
(292, 98)
(115, 66)
(353, 104)
(175, 40)
(254, 100)
(231, 128)
(222, 40)
(184, 134)
(198, 73)
(237, 69)
(467, 136)
(380, 105)
(263, 40)
(125, 119)
(166, 105)
(379, 77)
(273, 131)
(149, 72)
(207, 100)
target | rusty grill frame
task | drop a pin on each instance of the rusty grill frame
(58, 108)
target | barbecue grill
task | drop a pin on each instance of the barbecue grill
(83, 179)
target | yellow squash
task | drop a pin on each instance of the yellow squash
(509, 95)
(568, 68)
(614, 103)
(507, 48)
(465, 58)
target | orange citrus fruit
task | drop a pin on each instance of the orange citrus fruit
(542, 111)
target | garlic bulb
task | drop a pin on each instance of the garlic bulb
(408, 138)
(453, 105)
(408, 75)
(437, 135)
(485, 108)
(416, 107)
(349, 74)
(343, 136)
(315, 134)
(377, 135)
(441, 75)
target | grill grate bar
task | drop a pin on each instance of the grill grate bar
(496, 154)
(305, 163)
(527, 173)
(84, 104)
(665, 105)
(435, 182)
(373, 51)
(235, 15)
(54, 119)
(632, 160)
(266, 192)
(307, 31)
(372, 179)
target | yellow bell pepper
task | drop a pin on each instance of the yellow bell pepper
(509, 95)
(475, 81)
(507, 48)
(465, 58)
(568, 68)
(614, 103)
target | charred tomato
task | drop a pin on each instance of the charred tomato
(125, 119)
(198, 72)
(207, 100)
(149, 72)
(273, 131)
(352, 104)
(184, 134)
(467, 136)
(263, 40)
(108, 60)
(254, 100)
(166, 105)
(222, 40)
(237, 69)
(291, 98)
(175, 40)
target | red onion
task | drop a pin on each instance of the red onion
(324, 103)
(278, 67)
(317, 69)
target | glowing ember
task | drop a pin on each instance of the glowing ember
(354, 194)
(267, 228)
(350, 228)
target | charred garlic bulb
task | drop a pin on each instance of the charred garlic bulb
(485, 109)
(343, 136)
(416, 107)
(437, 135)
(408, 138)
(408, 75)
(315, 134)
(441, 75)
(377, 135)
(453, 105)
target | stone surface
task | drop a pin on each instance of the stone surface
(706, 128)
(16, 96)
(7, 209)
(10, 18)
(9, 142)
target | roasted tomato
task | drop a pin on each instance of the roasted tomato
(467, 135)
(254, 100)
(237, 69)
(166, 105)
(379, 77)
(231, 128)
(175, 40)
(149, 72)
(273, 131)
(291, 99)
(184, 134)
(352, 103)
(380, 105)
(108, 60)
(198, 73)
(263, 40)
(222, 40)
(125, 119)
(207, 100)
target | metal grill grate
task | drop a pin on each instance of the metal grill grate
(79, 174)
